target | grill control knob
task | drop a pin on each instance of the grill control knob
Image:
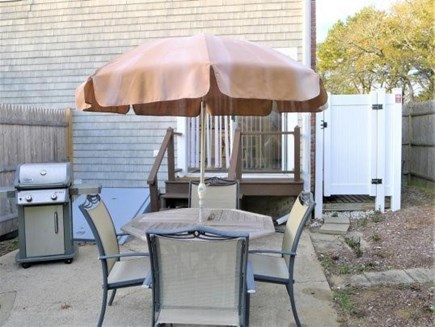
(53, 196)
(28, 198)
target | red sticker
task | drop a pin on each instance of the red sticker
(398, 98)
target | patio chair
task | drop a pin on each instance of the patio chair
(117, 273)
(199, 276)
(221, 193)
(270, 268)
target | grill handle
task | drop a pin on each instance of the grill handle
(56, 222)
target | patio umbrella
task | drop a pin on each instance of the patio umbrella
(187, 76)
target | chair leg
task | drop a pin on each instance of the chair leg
(103, 308)
(247, 304)
(112, 296)
(293, 304)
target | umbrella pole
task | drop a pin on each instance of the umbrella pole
(201, 186)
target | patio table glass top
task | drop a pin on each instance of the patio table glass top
(256, 225)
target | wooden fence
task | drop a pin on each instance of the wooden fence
(418, 142)
(29, 135)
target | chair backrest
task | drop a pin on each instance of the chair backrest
(199, 269)
(299, 214)
(99, 219)
(220, 193)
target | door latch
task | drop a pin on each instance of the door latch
(323, 124)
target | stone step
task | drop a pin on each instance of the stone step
(337, 220)
(335, 229)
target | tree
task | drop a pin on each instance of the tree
(375, 49)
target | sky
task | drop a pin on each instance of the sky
(330, 11)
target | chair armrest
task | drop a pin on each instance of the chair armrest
(123, 255)
(250, 282)
(148, 281)
(122, 234)
(281, 221)
(273, 252)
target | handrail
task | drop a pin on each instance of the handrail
(235, 168)
(167, 145)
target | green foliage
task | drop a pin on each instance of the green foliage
(355, 245)
(377, 217)
(375, 49)
(376, 237)
(342, 298)
(362, 222)
(345, 269)
(332, 265)
(326, 261)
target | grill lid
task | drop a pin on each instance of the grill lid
(43, 175)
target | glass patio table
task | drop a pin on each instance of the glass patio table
(256, 225)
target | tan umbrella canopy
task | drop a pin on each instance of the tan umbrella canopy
(183, 76)
(170, 77)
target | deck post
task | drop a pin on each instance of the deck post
(171, 156)
(297, 147)
(235, 169)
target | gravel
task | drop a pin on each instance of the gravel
(393, 240)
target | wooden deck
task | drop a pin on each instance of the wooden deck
(252, 183)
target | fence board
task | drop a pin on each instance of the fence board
(418, 141)
(28, 135)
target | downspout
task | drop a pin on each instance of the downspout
(306, 121)
(306, 33)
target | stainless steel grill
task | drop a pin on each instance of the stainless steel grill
(44, 213)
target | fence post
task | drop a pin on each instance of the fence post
(378, 97)
(318, 188)
(69, 134)
(396, 151)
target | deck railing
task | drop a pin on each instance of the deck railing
(236, 161)
(236, 165)
(167, 146)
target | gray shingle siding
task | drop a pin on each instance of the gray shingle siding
(117, 150)
(49, 47)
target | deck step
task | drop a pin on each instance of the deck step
(173, 195)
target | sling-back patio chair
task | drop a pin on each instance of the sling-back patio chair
(220, 193)
(117, 273)
(279, 269)
(199, 276)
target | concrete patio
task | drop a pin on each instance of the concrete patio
(58, 294)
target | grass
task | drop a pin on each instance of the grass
(326, 261)
(342, 298)
(355, 245)
(363, 222)
(375, 237)
(347, 269)
(329, 263)
(428, 187)
(377, 217)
